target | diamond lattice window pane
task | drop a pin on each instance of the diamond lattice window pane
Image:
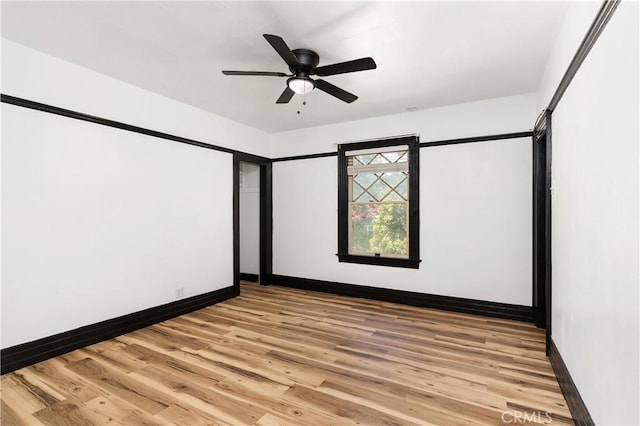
(365, 179)
(394, 178)
(357, 191)
(394, 196)
(379, 159)
(379, 190)
(364, 158)
(365, 198)
(403, 189)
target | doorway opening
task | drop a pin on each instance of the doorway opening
(249, 222)
(252, 207)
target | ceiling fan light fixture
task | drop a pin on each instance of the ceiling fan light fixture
(301, 85)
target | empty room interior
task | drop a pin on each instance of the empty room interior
(320, 213)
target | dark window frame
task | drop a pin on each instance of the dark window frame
(413, 261)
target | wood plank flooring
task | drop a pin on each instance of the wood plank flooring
(277, 356)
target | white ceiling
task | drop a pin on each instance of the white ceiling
(428, 53)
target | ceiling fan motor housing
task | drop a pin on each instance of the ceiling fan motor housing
(308, 60)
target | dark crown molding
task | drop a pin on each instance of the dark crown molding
(25, 103)
(487, 138)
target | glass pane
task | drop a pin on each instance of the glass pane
(403, 189)
(364, 198)
(357, 191)
(365, 179)
(362, 216)
(364, 159)
(379, 159)
(379, 228)
(393, 196)
(395, 157)
(379, 190)
(389, 234)
(394, 178)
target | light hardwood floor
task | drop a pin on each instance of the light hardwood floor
(290, 357)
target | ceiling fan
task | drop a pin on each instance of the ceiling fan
(304, 63)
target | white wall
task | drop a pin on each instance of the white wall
(98, 222)
(475, 204)
(250, 219)
(574, 27)
(33, 75)
(488, 117)
(595, 213)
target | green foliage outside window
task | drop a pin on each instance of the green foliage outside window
(390, 230)
(379, 228)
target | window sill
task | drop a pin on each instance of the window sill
(380, 261)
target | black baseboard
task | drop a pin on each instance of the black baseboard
(252, 278)
(455, 304)
(578, 409)
(19, 356)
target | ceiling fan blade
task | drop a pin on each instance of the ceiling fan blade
(283, 50)
(361, 64)
(263, 73)
(286, 96)
(335, 91)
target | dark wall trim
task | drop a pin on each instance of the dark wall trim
(12, 100)
(305, 157)
(380, 261)
(252, 278)
(455, 304)
(422, 145)
(515, 135)
(599, 23)
(577, 407)
(25, 103)
(541, 237)
(16, 357)
(548, 284)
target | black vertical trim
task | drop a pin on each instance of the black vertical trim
(266, 223)
(414, 199)
(343, 195)
(547, 213)
(236, 225)
(539, 229)
(542, 224)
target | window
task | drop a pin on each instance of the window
(378, 220)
